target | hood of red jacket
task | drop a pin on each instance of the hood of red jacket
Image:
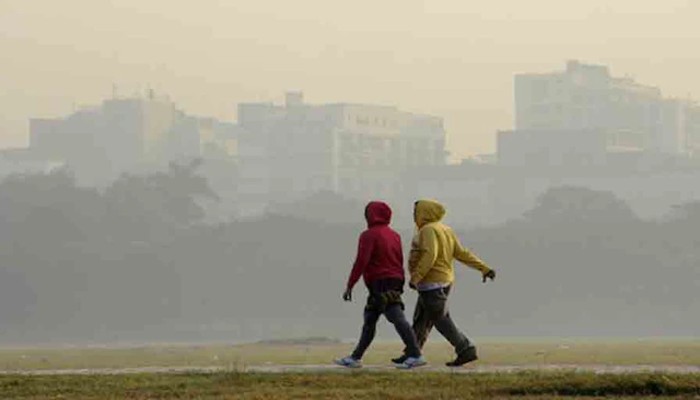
(377, 213)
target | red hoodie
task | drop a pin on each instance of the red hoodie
(379, 253)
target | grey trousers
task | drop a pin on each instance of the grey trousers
(394, 314)
(431, 310)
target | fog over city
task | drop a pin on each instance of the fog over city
(172, 171)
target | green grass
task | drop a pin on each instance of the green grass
(351, 385)
(570, 352)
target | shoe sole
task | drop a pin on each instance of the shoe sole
(462, 364)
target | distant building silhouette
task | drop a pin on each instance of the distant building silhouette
(275, 153)
(25, 161)
(126, 134)
(582, 114)
(290, 151)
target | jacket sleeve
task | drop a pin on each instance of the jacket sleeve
(364, 253)
(427, 248)
(468, 258)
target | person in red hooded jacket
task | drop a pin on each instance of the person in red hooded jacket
(379, 262)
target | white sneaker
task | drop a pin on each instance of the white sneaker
(412, 362)
(348, 362)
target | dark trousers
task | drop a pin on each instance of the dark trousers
(394, 314)
(431, 310)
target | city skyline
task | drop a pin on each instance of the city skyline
(454, 155)
(442, 58)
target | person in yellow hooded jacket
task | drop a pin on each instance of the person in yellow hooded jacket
(433, 251)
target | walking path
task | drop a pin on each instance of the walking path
(276, 368)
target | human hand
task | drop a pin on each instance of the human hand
(490, 274)
(347, 295)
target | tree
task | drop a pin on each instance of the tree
(577, 204)
(48, 208)
(145, 207)
(326, 207)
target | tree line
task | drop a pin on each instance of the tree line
(136, 261)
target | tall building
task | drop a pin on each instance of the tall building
(587, 100)
(692, 121)
(125, 134)
(291, 151)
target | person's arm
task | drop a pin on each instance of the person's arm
(364, 253)
(469, 259)
(427, 247)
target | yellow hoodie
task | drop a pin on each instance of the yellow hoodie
(435, 247)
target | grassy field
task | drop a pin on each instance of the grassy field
(558, 352)
(351, 385)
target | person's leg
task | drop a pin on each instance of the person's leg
(394, 313)
(436, 307)
(369, 329)
(422, 324)
(451, 332)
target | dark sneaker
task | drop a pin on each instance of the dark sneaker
(466, 356)
(399, 360)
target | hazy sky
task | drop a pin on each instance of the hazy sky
(452, 58)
